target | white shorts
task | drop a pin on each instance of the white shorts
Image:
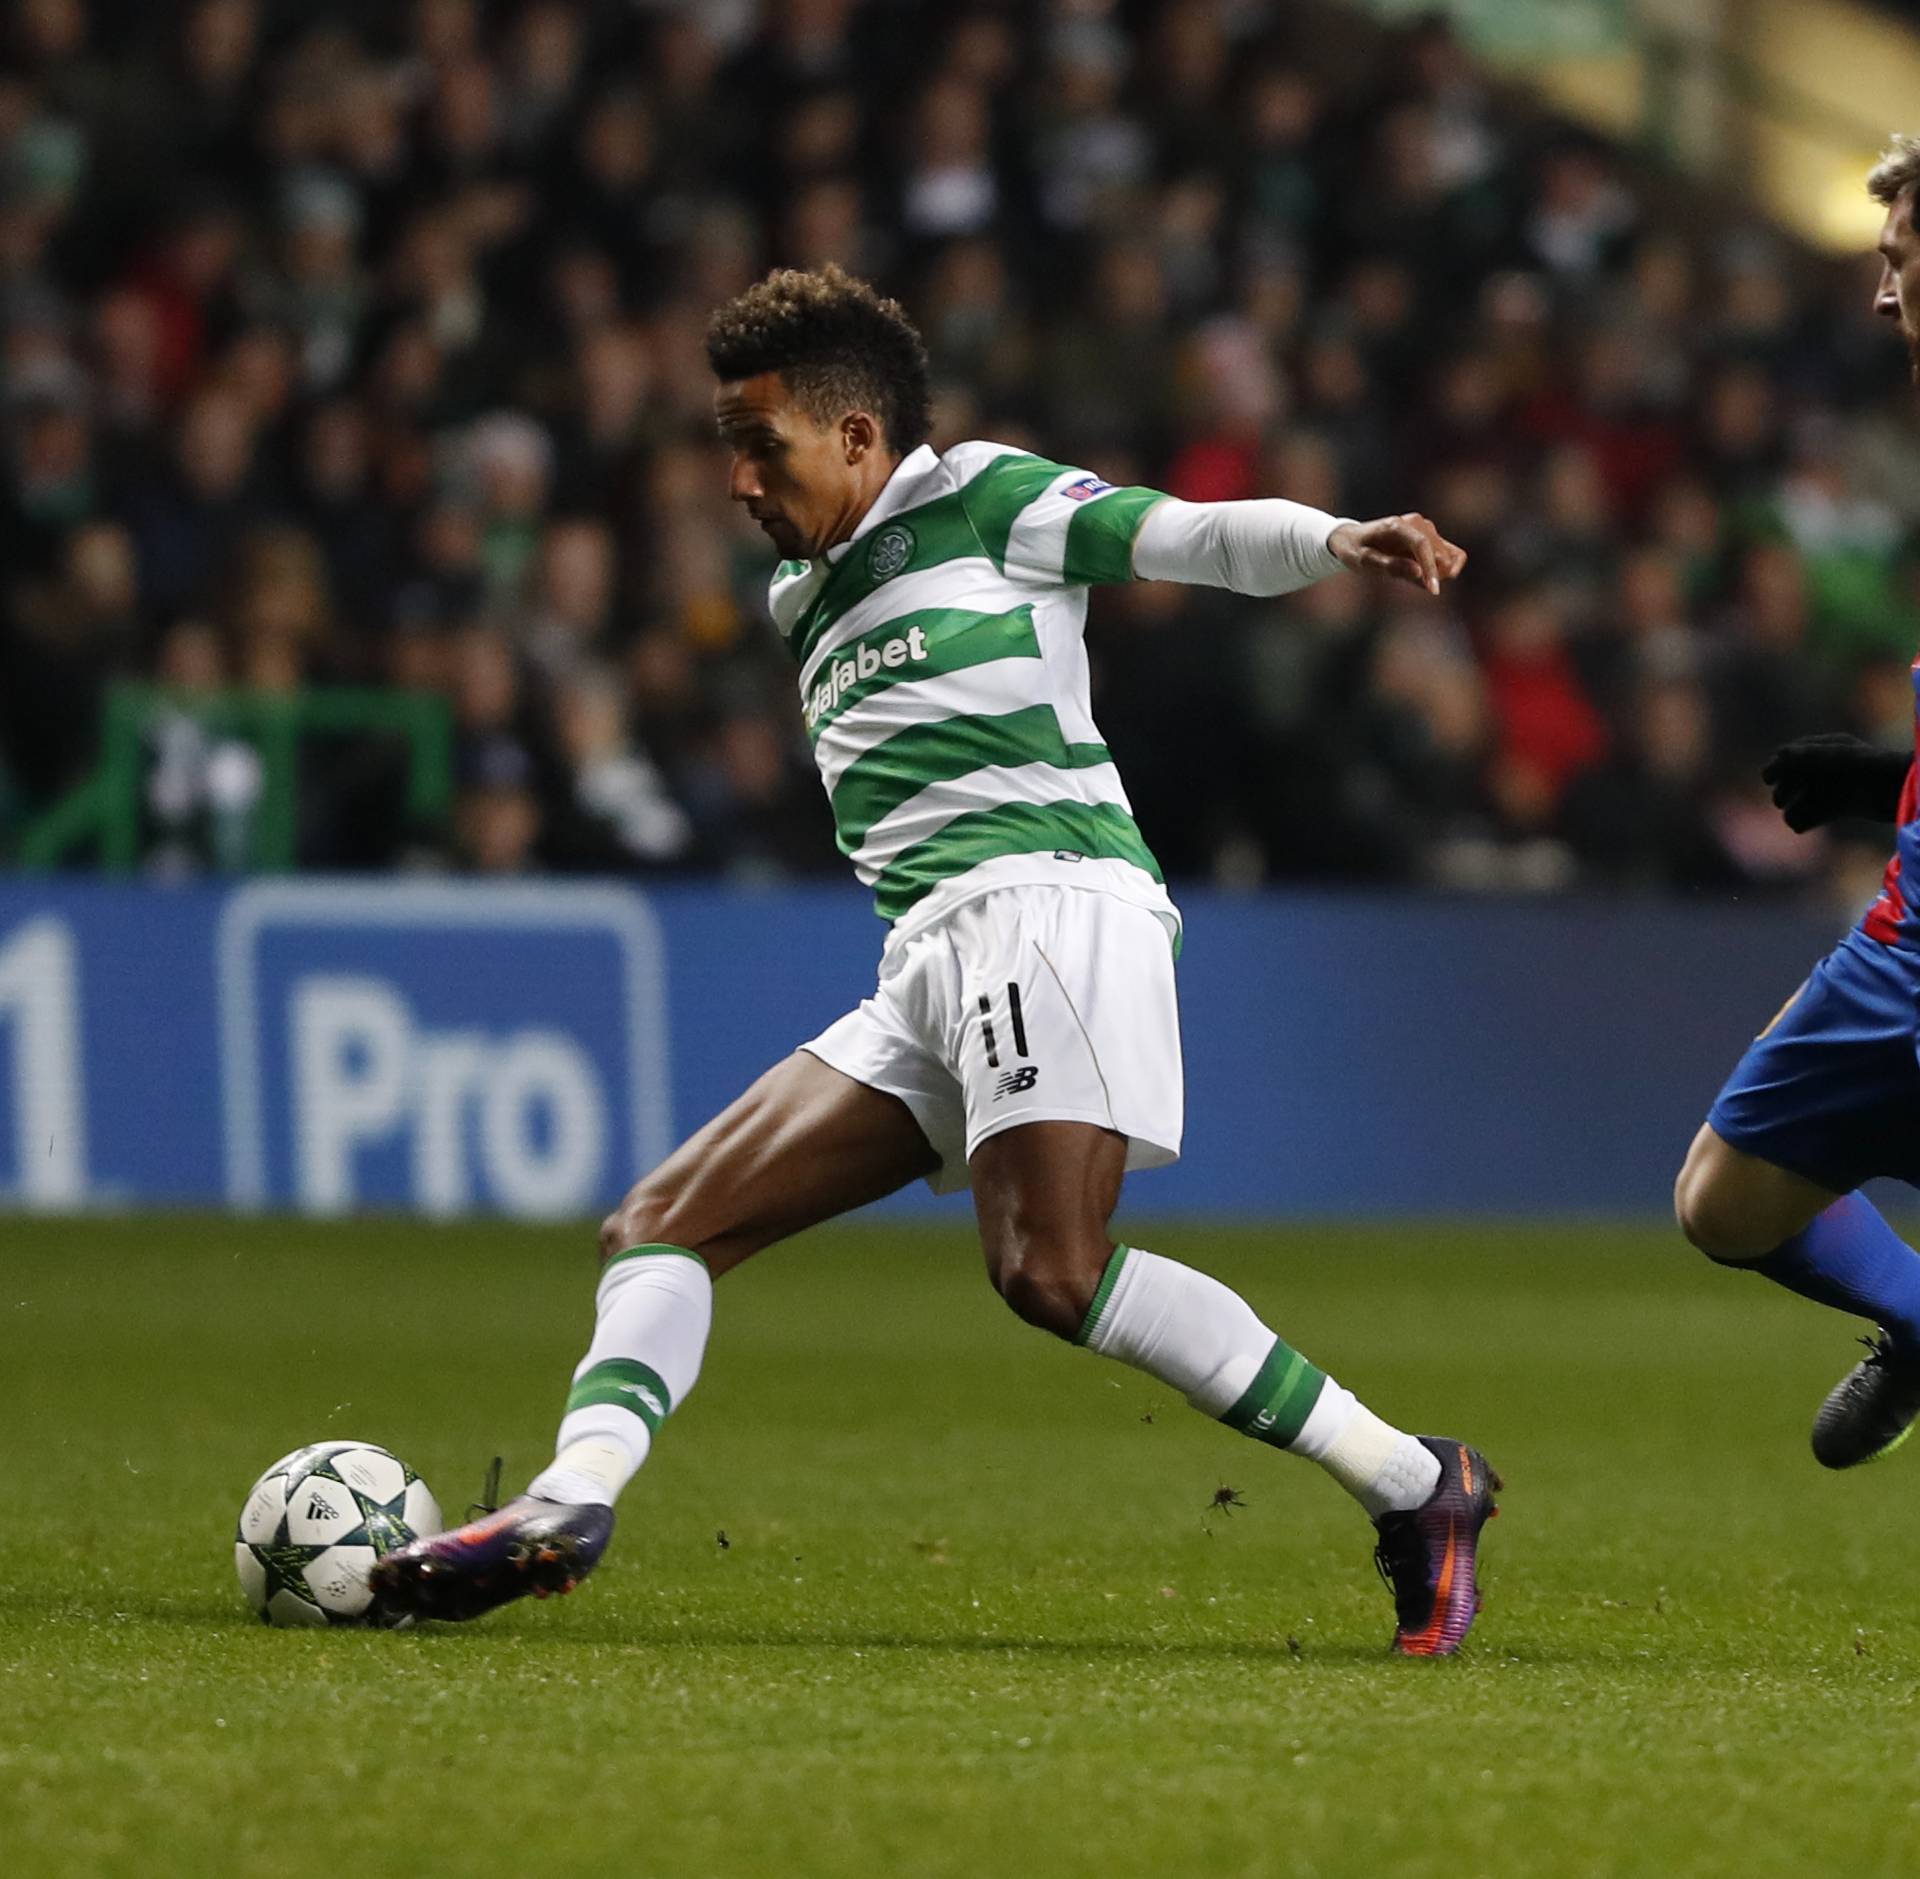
(1028, 1004)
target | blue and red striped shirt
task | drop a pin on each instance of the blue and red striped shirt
(1894, 919)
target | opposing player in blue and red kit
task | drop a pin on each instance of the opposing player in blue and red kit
(1828, 1095)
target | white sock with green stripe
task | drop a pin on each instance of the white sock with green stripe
(653, 1311)
(1204, 1340)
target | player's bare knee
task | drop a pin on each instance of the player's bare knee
(1715, 1223)
(1701, 1224)
(1049, 1297)
(1686, 1209)
(1048, 1278)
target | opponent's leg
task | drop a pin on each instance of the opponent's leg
(1835, 1249)
(805, 1144)
(1043, 1194)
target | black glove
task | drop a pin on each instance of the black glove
(1830, 776)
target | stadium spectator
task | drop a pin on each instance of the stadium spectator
(364, 346)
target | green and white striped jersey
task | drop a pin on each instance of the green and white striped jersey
(943, 675)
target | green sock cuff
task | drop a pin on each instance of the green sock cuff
(1275, 1406)
(652, 1252)
(1108, 1280)
(624, 1383)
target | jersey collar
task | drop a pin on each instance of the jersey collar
(912, 483)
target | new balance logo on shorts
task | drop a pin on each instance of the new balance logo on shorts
(1017, 1082)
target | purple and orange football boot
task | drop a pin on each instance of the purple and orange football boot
(529, 1545)
(1427, 1555)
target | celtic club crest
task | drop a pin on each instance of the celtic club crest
(892, 549)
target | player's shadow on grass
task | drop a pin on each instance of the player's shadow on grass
(1251, 1652)
(562, 1641)
(1527, 1653)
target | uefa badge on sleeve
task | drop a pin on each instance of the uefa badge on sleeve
(891, 551)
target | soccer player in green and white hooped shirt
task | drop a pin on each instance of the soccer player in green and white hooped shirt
(1023, 1038)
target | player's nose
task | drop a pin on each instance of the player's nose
(743, 483)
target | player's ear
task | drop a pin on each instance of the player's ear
(859, 434)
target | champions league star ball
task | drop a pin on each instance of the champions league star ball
(315, 1522)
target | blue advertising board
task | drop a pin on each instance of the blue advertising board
(313, 1046)
(444, 1047)
(430, 1044)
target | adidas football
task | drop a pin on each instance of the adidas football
(314, 1523)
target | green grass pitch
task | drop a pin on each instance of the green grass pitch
(970, 1617)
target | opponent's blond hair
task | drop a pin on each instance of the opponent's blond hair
(1899, 165)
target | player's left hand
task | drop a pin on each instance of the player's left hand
(1404, 547)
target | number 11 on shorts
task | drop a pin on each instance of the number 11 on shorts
(1020, 1078)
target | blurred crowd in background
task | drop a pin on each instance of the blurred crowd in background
(360, 343)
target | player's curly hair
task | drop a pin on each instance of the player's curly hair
(837, 343)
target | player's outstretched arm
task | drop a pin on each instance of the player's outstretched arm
(1272, 546)
(1831, 776)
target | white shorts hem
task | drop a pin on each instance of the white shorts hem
(1142, 1150)
(924, 1111)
